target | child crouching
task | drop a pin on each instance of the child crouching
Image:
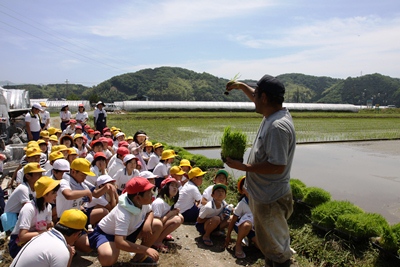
(242, 222)
(211, 217)
(164, 211)
(131, 219)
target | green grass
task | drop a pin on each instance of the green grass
(204, 129)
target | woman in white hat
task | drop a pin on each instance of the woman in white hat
(65, 116)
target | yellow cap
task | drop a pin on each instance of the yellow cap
(41, 141)
(44, 185)
(33, 151)
(72, 151)
(33, 167)
(129, 138)
(82, 165)
(185, 163)
(51, 130)
(168, 154)
(176, 170)
(195, 172)
(59, 148)
(240, 183)
(148, 143)
(44, 134)
(56, 155)
(31, 144)
(74, 219)
(43, 104)
(77, 136)
(53, 138)
(157, 145)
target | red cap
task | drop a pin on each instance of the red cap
(103, 139)
(91, 131)
(168, 180)
(94, 142)
(80, 105)
(78, 127)
(96, 132)
(123, 151)
(87, 126)
(99, 154)
(106, 129)
(107, 134)
(122, 143)
(137, 185)
(72, 121)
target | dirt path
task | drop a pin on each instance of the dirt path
(187, 250)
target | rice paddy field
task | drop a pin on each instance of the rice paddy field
(204, 129)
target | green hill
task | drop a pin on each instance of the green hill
(178, 84)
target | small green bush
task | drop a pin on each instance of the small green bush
(233, 144)
(362, 225)
(327, 213)
(205, 163)
(298, 188)
(390, 239)
(315, 196)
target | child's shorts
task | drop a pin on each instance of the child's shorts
(191, 214)
(98, 237)
(250, 235)
(200, 228)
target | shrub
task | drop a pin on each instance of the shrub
(233, 144)
(315, 196)
(205, 163)
(390, 239)
(297, 188)
(362, 225)
(327, 213)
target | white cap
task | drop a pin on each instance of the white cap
(119, 134)
(103, 179)
(129, 157)
(147, 175)
(38, 106)
(61, 165)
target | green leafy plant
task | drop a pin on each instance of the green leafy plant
(298, 188)
(233, 144)
(362, 225)
(327, 213)
(315, 196)
(390, 239)
(232, 81)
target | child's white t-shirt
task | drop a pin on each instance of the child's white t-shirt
(122, 178)
(210, 210)
(21, 195)
(187, 196)
(160, 207)
(64, 204)
(243, 211)
(161, 170)
(31, 219)
(121, 222)
(153, 161)
(207, 193)
(101, 201)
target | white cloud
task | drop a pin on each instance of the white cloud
(169, 17)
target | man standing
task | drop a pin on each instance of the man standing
(268, 169)
(56, 245)
(100, 117)
(32, 121)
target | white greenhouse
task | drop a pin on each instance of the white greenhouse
(225, 106)
(55, 105)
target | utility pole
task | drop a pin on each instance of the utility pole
(66, 88)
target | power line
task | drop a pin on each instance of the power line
(89, 49)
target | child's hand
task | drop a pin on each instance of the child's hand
(227, 241)
(152, 253)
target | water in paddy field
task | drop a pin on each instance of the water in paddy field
(365, 173)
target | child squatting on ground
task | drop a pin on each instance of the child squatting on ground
(242, 222)
(131, 219)
(211, 217)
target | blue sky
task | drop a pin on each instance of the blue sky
(87, 42)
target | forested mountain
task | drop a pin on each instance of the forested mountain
(178, 84)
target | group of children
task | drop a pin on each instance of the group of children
(126, 186)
